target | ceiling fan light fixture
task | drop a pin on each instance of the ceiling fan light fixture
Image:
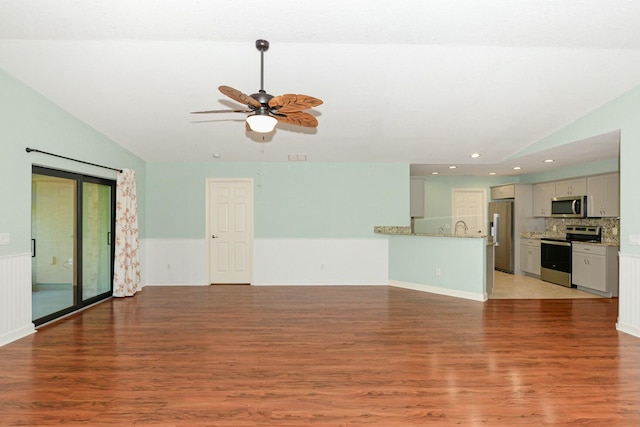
(262, 123)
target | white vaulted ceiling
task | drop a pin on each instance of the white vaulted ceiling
(422, 82)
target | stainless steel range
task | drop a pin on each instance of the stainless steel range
(555, 254)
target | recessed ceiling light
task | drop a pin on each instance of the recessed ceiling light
(452, 167)
(516, 168)
(549, 161)
(492, 173)
(475, 155)
(435, 173)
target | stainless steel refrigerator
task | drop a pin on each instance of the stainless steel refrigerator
(501, 229)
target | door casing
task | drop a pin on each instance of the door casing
(469, 205)
(231, 238)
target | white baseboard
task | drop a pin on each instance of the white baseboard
(319, 284)
(17, 334)
(440, 291)
(175, 284)
(628, 329)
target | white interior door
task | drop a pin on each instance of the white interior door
(230, 230)
(469, 205)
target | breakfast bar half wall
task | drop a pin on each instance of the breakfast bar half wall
(455, 265)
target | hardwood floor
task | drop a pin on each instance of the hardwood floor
(324, 356)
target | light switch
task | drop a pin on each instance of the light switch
(5, 238)
(634, 239)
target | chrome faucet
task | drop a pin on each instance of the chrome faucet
(464, 224)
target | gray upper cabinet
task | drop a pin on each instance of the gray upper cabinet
(603, 193)
(571, 187)
(542, 195)
(417, 198)
(507, 191)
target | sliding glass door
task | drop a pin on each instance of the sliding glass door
(53, 246)
(97, 221)
(72, 225)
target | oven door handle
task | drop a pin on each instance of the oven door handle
(551, 242)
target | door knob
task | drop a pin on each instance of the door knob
(213, 236)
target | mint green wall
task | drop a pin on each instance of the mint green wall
(27, 119)
(437, 195)
(585, 169)
(619, 114)
(414, 259)
(311, 200)
(438, 189)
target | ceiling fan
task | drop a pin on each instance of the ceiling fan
(267, 110)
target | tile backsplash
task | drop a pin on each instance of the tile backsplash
(608, 226)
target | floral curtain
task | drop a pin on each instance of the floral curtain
(126, 275)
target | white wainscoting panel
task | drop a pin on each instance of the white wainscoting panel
(276, 262)
(321, 262)
(174, 262)
(629, 295)
(15, 297)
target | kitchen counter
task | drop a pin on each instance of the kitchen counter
(406, 231)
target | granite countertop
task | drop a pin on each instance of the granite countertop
(406, 231)
(541, 235)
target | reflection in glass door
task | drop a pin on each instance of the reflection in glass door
(53, 225)
(96, 239)
(72, 220)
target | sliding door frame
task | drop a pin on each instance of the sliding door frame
(80, 179)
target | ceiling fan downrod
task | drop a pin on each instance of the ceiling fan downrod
(262, 46)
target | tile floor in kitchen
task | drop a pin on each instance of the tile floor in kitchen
(511, 286)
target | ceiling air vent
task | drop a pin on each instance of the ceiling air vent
(297, 157)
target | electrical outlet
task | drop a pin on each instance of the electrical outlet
(5, 238)
(614, 231)
(438, 272)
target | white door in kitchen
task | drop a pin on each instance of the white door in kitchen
(230, 230)
(468, 205)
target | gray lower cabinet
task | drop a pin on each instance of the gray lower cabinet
(595, 268)
(530, 256)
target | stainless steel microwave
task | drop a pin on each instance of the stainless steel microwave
(569, 207)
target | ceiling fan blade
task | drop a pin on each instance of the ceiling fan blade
(298, 118)
(236, 95)
(293, 102)
(221, 111)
